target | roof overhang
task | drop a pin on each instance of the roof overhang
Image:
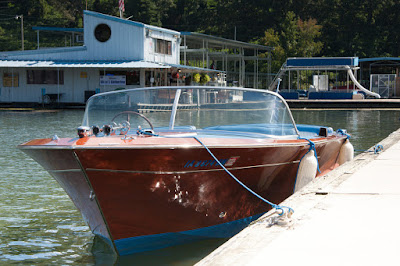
(195, 69)
(80, 64)
(100, 65)
(321, 61)
(374, 59)
(58, 29)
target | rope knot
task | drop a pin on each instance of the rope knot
(343, 132)
(378, 148)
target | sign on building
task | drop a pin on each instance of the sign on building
(112, 80)
(10, 80)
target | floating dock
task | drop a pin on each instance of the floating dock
(345, 104)
(347, 217)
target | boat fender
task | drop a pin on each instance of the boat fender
(307, 170)
(346, 152)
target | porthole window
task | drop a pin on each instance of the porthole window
(102, 32)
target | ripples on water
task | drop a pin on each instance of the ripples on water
(367, 127)
(40, 225)
(38, 222)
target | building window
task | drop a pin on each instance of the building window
(10, 80)
(163, 47)
(45, 76)
(102, 32)
(131, 77)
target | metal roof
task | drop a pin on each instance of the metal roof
(80, 30)
(196, 68)
(96, 64)
(223, 41)
(318, 62)
(380, 59)
(80, 64)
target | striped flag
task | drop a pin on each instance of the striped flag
(121, 5)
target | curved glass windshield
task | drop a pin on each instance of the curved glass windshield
(208, 108)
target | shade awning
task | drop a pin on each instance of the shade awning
(195, 69)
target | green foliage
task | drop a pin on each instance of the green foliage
(364, 28)
(296, 38)
(196, 78)
(204, 78)
(149, 11)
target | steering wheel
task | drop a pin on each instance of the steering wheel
(133, 113)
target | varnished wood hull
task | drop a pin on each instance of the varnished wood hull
(144, 197)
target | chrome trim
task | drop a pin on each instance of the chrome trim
(174, 108)
(191, 171)
(85, 117)
(64, 171)
(156, 146)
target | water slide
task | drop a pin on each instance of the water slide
(353, 78)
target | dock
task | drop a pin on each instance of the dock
(344, 104)
(348, 217)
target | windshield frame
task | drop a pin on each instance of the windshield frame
(85, 121)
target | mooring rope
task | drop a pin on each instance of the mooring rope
(273, 205)
(376, 149)
(343, 132)
(312, 147)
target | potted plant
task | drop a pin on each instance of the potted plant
(204, 78)
(196, 78)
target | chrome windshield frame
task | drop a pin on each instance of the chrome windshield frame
(178, 89)
(174, 109)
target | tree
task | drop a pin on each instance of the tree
(106, 7)
(295, 38)
(149, 11)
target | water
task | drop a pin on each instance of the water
(367, 127)
(40, 225)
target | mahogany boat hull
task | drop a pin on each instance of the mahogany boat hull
(145, 197)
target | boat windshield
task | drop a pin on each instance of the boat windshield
(198, 107)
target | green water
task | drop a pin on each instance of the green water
(40, 225)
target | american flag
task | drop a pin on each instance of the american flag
(121, 5)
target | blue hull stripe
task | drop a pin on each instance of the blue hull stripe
(139, 244)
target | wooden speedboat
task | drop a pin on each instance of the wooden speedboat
(146, 170)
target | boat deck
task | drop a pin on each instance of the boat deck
(348, 217)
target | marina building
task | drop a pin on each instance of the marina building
(112, 53)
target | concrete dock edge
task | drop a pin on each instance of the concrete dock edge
(348, 217)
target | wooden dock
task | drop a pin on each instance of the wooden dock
(347, 217)
(345, 104)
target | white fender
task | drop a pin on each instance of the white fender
(346, 152)
(307, 170)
